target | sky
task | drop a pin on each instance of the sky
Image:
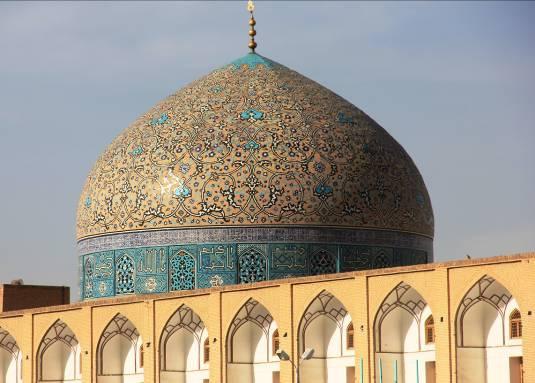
(453, 82)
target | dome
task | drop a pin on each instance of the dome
(253, 155)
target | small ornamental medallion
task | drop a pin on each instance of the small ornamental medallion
(151, 284)
(216, 281)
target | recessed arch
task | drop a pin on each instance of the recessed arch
(184, 347)
(491, 292)
(58, 355)
(119, 352)
(10, 358)
(323, 327)
(399, 336)
(484, 347)
(249, 342)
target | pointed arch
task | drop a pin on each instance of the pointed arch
(324, 305)
(411, 306)
(58, 355)
(88, 278)
(400, 334)
(489, 291)
(484, 346)
(125, 275)
(119, 351)
(182, 271)
(323, 327)
(183, 351)
(252, 264)
(10, 358)
(249, 341)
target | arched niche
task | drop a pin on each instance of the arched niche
(184, 356)
(324, 328)
(10, 359)
(120, 353)
(402, 353)
(249, 342)
(58, 355)
(486, 352)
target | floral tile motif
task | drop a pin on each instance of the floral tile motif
(254, 144)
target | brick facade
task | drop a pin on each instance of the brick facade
(443, 285)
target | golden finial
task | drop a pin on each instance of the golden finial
(252, 23)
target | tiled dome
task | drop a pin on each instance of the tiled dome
(254, 143)
(255, 153)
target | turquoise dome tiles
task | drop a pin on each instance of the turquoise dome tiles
(174, 260)
(160, 269)
(252, 115)
(252, 60)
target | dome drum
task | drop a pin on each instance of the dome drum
(153, 262)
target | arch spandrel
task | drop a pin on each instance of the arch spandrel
(103, 316)
(58, 348)
(10, 368)
(181, 346)
(8, 342)
(167, 308)
(345, 292)
(120, 324)
(248, 343)
(508, 275)
(75, 321)
(17, 332)
(119, 349)
(183, 318)
(234, 303)
(250, 312)
(382, 287)
(414, 308)
(495, 295)
(481, 323)
(323, 307)
(322, 328)
(184, 315)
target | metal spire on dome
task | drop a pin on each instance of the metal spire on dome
(252, 23)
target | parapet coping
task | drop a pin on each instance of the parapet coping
(274, 283)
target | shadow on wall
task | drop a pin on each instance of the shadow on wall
(120, 353)
(250, 352)
(489, 335)
(324, 327)
(184, 348)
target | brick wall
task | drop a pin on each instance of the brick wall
(442, 285)
(20, 297)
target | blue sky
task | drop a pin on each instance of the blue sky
(453, 82)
